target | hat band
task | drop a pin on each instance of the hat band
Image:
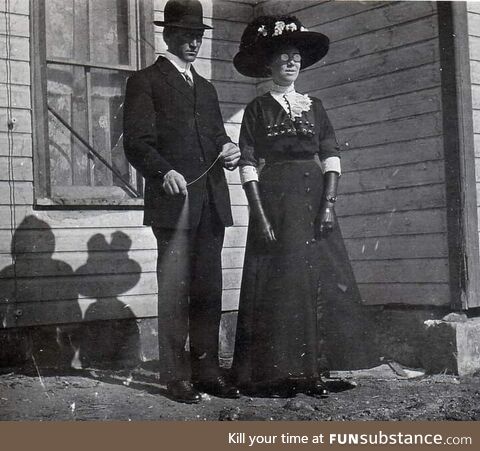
(188, 19)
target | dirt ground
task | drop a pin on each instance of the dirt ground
(383, 393)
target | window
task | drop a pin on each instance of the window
(84, 51)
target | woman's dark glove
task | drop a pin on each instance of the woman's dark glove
(325, 220)
(264, 227)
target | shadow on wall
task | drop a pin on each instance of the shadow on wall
(37, 289)
(114, 342)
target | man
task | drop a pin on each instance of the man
(174, 135)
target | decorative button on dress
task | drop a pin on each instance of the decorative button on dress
(286, 285)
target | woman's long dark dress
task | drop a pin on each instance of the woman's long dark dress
(286, 285)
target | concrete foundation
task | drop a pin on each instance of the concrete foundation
(453, 344)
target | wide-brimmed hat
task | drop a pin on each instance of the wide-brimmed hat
(266, 34)
(183, 14)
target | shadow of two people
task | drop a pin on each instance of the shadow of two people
(39, 301)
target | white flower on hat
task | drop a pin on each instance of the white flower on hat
(262, 30)
(291, 27)
(302, 28)
(279, 27)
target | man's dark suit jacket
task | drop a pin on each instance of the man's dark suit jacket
(168, 125)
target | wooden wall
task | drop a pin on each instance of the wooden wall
(473, 11)
(380, 83)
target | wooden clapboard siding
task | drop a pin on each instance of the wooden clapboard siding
(19, 192)
(18, 25)
(474, 47)
(67, 287)
(16, 8)
(16, 148)
(428, 221)
(420, 294)
(396, 154)
(377, 18)
(381, 85)
(19, 47)
(373, 65)
(390, 108)
(307, 9)
(390, 84)
(424, 173)
(66, 311)
(77, 239)
(470, 76)
(19, 167)
(22, 117)
(20, 72)
(393, 247)
(402, 270)
(99, 262)
(21, 146)
(392, 200)
(91, 219)
(17, 96)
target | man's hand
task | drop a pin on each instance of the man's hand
(174, 183)
(230, 155)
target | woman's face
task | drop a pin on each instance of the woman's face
(285, 65)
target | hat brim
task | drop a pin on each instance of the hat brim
(253, 62)
(188, 26)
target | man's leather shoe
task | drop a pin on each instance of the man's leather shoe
(317, 388)
(182, 391)
(218, 387)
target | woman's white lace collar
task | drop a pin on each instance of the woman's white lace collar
(279, 89)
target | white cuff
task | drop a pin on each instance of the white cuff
(331, 164)
(248, 174)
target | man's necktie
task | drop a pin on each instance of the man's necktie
(188, 79)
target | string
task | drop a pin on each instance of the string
(205, 173)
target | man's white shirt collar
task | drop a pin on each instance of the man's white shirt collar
(182, 66)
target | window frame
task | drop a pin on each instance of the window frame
(78, 196)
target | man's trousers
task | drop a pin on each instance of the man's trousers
(189, 274)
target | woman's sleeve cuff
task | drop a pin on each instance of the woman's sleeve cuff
(248, 174)
(331, 164)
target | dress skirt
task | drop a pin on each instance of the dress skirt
(286, 285)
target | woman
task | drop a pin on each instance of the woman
(295, 259)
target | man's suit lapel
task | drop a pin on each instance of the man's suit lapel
(198, 83)
(174, 78)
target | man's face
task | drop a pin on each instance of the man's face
(185, 43)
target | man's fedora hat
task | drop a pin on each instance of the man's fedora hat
(183, 14)
(267, 34)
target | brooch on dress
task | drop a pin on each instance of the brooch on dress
(298, 103)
